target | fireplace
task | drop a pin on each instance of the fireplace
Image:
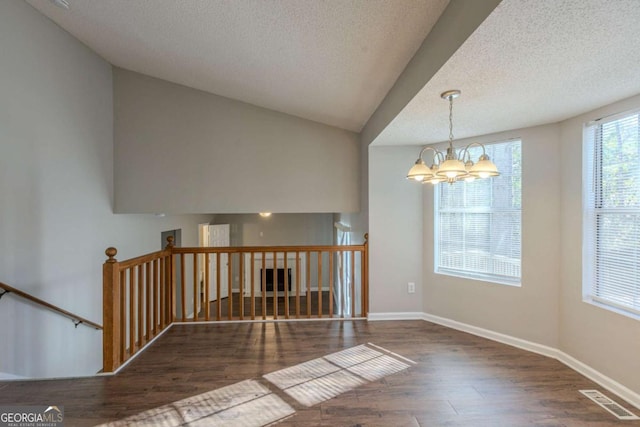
(295, 264)
(269, 279)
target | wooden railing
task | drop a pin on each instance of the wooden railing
(144, 295)
(77, 320)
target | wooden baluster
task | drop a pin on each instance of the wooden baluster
(264, 286)
(123, 316)
(132, 311)
(162, 293)
(111, 307)
(286, 287)
(156, 293)
(196, 289)
(207, 305)
(331, 283)
(253, 287)
(183, 288)
(218, 290)
(343, 283)
(140, 300)
(362, 285)
(308, 283)
(319, 283)
(353, 283)
(275, 285)
(148, 307)
(241, 285)
(297, 285)
(171, 290)
(230, 284)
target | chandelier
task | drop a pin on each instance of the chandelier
(452, 166)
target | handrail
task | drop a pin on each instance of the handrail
(259, 249)
(77, 320)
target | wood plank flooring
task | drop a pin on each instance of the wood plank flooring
(458, 380)
(246, 307)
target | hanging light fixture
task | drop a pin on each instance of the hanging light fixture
(452, 166)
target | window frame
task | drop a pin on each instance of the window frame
(592, 178)
(468, 274)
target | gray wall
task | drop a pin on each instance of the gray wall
(548, 308)
(56, 192)
(180, 148)
(530, 311)
(395, 224)
(359, 221)
(278, 229)
(604, 340)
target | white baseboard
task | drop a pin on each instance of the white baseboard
(5, 376)
(494, 336)
(596, 376)
(395, 316)
(138, 353)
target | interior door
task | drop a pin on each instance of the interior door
(218, 236)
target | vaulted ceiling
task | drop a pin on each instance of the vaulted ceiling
(527, 63)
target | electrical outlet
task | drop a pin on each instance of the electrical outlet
(411, 288)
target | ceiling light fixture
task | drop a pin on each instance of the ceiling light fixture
(452, 167)
(265, 214)
(63, 4)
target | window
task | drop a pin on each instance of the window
(477, 224)
(611, 203)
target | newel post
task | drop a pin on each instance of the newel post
(365, 279)
(111, 312)
(170, 279)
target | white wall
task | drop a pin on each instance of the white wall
(56, 191)
(606, 341)
(278, 229)
(395, 232)
(530, 311)
(180, 148)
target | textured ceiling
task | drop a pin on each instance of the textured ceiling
(328, 61)
(529, 63)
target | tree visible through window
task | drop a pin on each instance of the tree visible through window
(478, 224)
(611, 228)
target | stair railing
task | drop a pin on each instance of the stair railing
(146, 294)
(77, 320)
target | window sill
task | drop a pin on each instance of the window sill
(481, 278)
(611, 308)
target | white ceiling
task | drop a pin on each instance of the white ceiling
(327, 61)
(530, 62)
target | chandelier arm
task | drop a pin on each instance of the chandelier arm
(476, 144)
(436, 153)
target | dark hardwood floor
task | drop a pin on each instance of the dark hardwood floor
(458, 380)
(312, 309)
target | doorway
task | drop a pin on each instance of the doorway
(217, 235)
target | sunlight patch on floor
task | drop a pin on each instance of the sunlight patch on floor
(250, 403)
(321, 379)
(244, 404)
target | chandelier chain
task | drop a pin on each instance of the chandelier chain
(450, 121)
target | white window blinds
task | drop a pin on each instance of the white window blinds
(611, 226)
(478, 224)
